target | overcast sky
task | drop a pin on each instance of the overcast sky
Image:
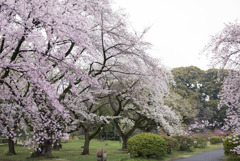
(180, 28)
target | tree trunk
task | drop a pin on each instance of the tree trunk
(86, 144)
(44, 151)
(89, 137)
(124, 145)
(57, 145)
(11, 149)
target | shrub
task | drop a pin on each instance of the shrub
(186, 143)
(215, 139)
(229, 143)
(172, 144)
(147, 145)
(199, 142)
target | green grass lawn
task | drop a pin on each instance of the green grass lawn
(72, 152)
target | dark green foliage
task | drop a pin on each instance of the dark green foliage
(186, 143)
(229, 143)
(212, 82)
(187, 82)
(199, 142)
(215, 139)
(147, 145)
(201, 89)
(172, 144)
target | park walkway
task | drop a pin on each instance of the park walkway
(215, 155)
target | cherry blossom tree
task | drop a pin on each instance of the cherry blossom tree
(140, 99)
(225, 53)
(182, 107)
(121, 52)
(41, 54)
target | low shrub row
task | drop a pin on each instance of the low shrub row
(215, 139)
(186, 143)
(154, 146)
(172, 144)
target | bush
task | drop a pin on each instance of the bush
(199, 142)
(186, 143)
(147, 145)
(215, 139)
(229, 143)
(172, 144)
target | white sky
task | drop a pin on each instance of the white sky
(180, 28)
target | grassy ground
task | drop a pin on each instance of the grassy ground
(72, 152)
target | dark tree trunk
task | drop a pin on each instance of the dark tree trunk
(46, 150)
(57, 145)
(124, 145)
(86, 144)
(11, 149)
(114, 131)
(89, 137)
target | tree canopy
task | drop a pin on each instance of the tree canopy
(59, 62)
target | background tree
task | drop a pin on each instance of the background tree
(201, 89)
(188, 82)
(211, 88)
